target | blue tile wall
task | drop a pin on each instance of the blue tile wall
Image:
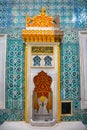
(72, 13)
(15, 74)
(12, 20)
(70, 72)
(14, 77)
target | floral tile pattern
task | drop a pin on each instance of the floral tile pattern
(12, 20)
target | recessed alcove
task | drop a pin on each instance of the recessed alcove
(42, 104)
(66, 108)
(42, 108)
(42, 69)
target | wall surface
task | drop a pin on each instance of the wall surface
(12, 20)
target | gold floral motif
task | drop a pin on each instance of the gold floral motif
(42, 28)
(42, 49)
(41, 20)
(42, 89)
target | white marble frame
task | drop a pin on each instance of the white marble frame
(2, 76)
(83, 68)
(34, 71)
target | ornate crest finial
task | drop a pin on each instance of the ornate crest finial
(42, 28)
(43, 10)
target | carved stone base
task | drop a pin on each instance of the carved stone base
(43, 123)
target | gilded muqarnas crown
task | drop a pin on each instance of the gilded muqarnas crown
(41, 20)
(42, 28)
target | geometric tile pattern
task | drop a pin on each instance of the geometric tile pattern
(70, 36)
(48, 61)
(12, 20)
(11, 115)
(5, 16)
(36, 60)
(72, 12)
(76, 117)
(81, 13)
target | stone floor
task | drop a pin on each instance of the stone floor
(26, 126)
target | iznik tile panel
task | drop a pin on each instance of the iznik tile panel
(72, 13)
(73, 17)
(15, 75)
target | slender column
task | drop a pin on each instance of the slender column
(26, 84)
(59, 103)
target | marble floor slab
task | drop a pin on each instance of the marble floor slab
(59, 126)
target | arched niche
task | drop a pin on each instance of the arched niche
(42, 39)
(42, 105)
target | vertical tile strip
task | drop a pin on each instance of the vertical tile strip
(26, 84)
(59, 105)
